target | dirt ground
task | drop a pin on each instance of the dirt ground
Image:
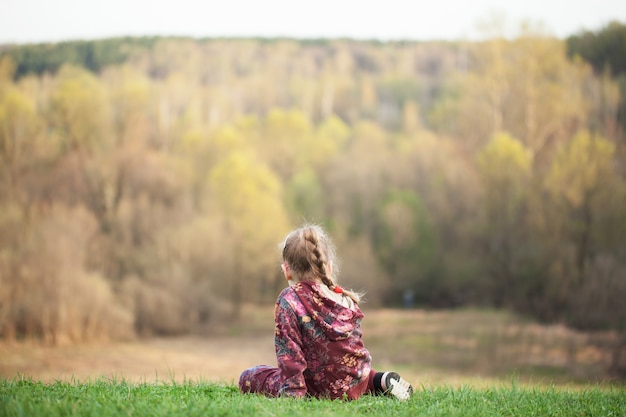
(179, 359)
(428, 348)
(165, 360)
(219, 358)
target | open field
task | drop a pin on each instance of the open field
(479, 348)
(463, 363)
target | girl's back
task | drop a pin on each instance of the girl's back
(317, 332)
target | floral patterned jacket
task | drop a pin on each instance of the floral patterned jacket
(318, 344)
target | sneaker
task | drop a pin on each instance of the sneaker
(394, 385)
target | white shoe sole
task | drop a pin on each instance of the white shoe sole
(399, 388)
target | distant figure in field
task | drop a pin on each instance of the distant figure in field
(317, 337)
(408, 296)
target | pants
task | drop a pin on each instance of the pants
(267, 380)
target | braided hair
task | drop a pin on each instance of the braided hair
(310, 254)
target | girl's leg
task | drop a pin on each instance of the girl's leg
(261, 379)
(373, 383)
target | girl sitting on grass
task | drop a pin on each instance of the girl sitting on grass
(318, 342)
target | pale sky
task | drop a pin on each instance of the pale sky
(27, 21)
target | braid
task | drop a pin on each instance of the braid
(318, 260)
(310, 254)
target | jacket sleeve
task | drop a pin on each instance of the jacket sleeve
(289, 355)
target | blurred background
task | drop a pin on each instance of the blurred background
(474, 182)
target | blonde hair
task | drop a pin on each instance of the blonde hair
(310, 254)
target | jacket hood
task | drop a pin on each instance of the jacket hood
(336, 321)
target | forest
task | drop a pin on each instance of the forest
(146, 183)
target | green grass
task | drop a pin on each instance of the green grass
(20, 397)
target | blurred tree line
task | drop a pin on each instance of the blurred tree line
(144, 188)
(93, 55)
(605, 50)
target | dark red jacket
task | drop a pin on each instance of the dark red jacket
(318, 344)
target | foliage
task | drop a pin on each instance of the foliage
(92, 55)
(588, 198)
(526, 87)
(604, 49)
(582, 168)
(247, 198)
(477, 173)
(405, 242)
(504, 166)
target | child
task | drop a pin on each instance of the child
(318, 333)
